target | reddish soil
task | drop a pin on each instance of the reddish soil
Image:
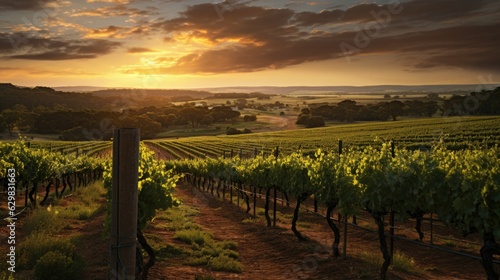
(275, 253)
(269, 252)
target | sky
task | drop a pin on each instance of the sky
(195, 43)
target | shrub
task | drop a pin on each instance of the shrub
(55, 265)
(38, 244)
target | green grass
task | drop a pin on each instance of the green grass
(38, 244)
(44, 220)
(200, 248)
(89, 203)
(191, 236)
(402, 262)
(42, 250)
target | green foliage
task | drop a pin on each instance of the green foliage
(193, 236)
(315, 121)
(55, 265)
(402, 262)
(156, 186)
(38, 244)
(45, 220)
(225, 263)
(462, 187)
(423, 133)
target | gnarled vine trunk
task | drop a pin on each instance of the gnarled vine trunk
(335, 229)
(300, 199)
(490, 248)
(47, 190)
(152, 258)
(383, 244)
(266, 207)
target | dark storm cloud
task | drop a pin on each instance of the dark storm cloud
(25, 4)
(436, 33)
(18, 46)
(413, 11)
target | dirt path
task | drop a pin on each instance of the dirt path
(275, 253)
(270, 252)
(277, 123)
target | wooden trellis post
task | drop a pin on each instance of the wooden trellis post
(124, 203)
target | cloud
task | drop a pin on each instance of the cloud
(15, 71)
(38, 48)
(251, 38)
(119, 10)
(27, 4)
(109, 1)
(116, 32)
(140, 50)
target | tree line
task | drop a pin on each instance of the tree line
(486, 102)
(89, 124)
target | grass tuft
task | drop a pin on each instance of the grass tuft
(195, 236)
(402, 262)
(225, 263)
(43, 220)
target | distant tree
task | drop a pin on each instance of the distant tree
(241, 103)
(282, 113)
(148, 127)
(3, 125)
(325, 111)
(232, 131)
(164, 120)
(192, 115)
(396, 109)
(207, 120)
(223, 113)
(10, 119)
(278, 104)
(315, 121)
(387, 96)
(430, 108)
(302, 119)
(415, 107)
(347, 110)
(249, 118)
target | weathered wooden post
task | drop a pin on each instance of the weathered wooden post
(276, 154)
(344, 245)
(391, 215)
(124, 204)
